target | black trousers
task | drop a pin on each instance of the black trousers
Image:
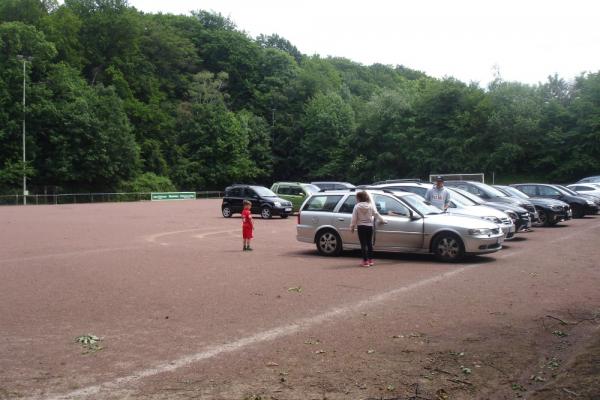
(365, 235)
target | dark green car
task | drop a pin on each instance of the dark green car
(296, 192)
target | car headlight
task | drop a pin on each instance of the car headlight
(277, 204)
(512, 215)
(556, 208)
(589, 202)
(480, 232)
(493, 219)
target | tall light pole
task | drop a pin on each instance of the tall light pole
(24, 59)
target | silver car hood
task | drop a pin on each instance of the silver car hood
(478, 211)
(459, 221)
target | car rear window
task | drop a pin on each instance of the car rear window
(322, 203)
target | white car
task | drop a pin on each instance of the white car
(586, 188)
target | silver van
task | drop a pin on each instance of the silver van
(412, 226)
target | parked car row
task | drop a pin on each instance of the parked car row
(414, 225)
(479, 219)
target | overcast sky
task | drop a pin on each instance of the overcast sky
(525, 40)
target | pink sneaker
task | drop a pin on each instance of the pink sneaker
(365, 264)
(371, 263)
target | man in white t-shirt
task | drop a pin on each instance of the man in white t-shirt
(438, 195)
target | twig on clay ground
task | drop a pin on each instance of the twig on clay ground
(570, 392)
(460, 381)
(440, 370)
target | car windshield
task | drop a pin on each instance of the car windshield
(514, 192)
(490, 190)
(461, 201)
(475, 199)
(263, 191)
(311, 188)
(419, 204)
(566, 189)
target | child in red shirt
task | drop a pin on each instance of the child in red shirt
(247, 225)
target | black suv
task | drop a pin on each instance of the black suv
(264, 201)
(580, 205)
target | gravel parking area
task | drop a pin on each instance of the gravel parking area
(181, 312)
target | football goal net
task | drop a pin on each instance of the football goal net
(480, 177)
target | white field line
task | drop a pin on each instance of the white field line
(229, 232)
(260, 337)
(149, 238)
(152, 238)
(71, 253)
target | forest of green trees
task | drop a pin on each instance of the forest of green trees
(118, 99)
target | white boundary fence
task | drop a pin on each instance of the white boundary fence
(76, 198)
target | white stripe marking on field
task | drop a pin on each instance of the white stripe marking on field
(72, 253)
(271, 334)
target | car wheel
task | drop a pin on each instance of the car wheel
(329, 243)
(265, 213)
(284, 216)
(577, 211)
(543, 218)
(448, 247)
(226, 212)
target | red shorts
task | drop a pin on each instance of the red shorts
(247, 232)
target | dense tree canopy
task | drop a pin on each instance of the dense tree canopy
(118, 99)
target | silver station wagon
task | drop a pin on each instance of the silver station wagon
(412, 226)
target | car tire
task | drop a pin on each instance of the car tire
(226, 212)
(265, 212)
(578, 211)
(328, 243)
(284, 216)
(543, 218)
(448, 247)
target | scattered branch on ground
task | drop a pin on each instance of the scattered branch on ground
(440, 371)
(460, 381)
(89, 342)
(570, 392)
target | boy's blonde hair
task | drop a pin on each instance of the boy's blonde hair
(247, 203)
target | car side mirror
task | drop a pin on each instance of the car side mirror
(414, 216)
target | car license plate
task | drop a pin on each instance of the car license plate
(570, 213)
(288, 209)
(500, 240)
(528, 224)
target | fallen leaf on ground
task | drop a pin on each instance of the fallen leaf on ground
(297, 289)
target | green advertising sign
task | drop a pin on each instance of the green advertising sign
(172, 196)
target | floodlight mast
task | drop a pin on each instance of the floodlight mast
(24, 59)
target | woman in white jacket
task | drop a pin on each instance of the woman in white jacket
(363, 215)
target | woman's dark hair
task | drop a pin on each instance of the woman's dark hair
(363, 196)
